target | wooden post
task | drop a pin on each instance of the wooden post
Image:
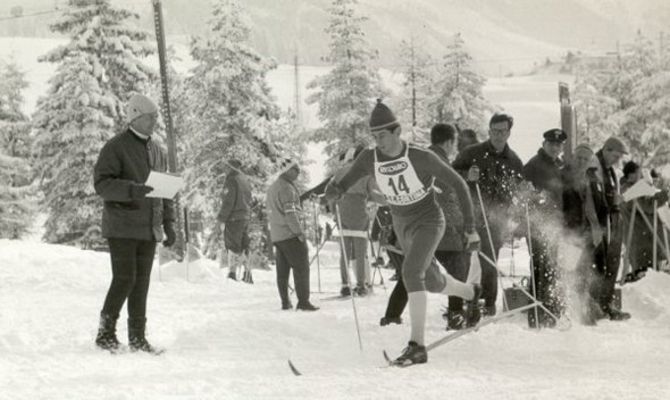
(568, 119)
(179, 246)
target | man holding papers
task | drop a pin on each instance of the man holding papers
(131, 221)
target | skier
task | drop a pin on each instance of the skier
(353, 212)
(405, 176)
(234, 218)
(131, 222)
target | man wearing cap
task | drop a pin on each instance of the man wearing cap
(234, 218)
(494, 168)
(543, 171)
(355, 224)
(131, 222)
(608, 254)
(283, 204)
(404, 175)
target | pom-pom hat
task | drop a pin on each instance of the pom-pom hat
(382, 118)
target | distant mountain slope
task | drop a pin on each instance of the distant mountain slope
(501, 34)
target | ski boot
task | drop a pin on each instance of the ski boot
(306, 307)
(390, 320)
(472, 312)
(412, 354)
(136, 339)
(455, 320)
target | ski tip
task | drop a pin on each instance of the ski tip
(386, 357)
(293, 368)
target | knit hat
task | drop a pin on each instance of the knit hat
(139, 105)
(616, 144)
(286, 164)
(382, 118)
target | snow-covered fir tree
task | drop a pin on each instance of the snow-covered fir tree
(231, 114)
(458, 97)
(16, 200)
(346, 95)
(628, 96)
(98, 70)
(418, 85)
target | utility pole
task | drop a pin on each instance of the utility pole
(179, 246)
(568, 119)
(297, 100)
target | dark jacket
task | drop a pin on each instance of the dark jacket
(610, 184)
(499, 173)
(236, 203)
(544, 173)
(126, 159)
(454, 231)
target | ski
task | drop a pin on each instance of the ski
(486, 321)
(293, 368)
(453, 335)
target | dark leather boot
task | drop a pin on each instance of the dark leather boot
(136, 336)
(106, 338)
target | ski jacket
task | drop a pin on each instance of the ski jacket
(236, 204)
(353, 203)
(544, 173)
(499, 173)
(454, 231)
(283, 203)
(124, 160)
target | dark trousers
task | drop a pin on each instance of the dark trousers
(131, 272)
(398, 299)
(292, 254)
(489, 272)
(457, 264)
(607, 259)
(546, 276)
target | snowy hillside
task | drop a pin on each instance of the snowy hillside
(229, 340)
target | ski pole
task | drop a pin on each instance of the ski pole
(346, 264)
(318, 240)
(488, 233)
(532, 268)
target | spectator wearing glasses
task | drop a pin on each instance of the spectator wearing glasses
(497, 169)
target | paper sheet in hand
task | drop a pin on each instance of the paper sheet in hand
(640, 189)
(165, 186)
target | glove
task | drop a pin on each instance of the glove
(661, 197)
(473, 174)
(170, 235)
(333, 192)
(471, 241)
(138, 191)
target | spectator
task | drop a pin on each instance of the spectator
(466, 137)
(497, 169)
(131, 222)
(355, 220)
(640, 252)
(607, 255)
(450, 251)
(234, 218)
(543, 171)
(283, 203)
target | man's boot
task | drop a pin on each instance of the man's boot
(136, 338)
(413, 354)
(106, 338)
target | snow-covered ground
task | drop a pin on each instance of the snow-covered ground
(230, 340)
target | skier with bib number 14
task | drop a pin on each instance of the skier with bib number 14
(405, 176)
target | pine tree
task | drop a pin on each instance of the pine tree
(458, 97)
(98, 70)
(593, 107)
(231, 115)
(418, 85)
(346, 94)
(16, 199)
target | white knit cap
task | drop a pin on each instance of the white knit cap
(139, 105)
(286, 164)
